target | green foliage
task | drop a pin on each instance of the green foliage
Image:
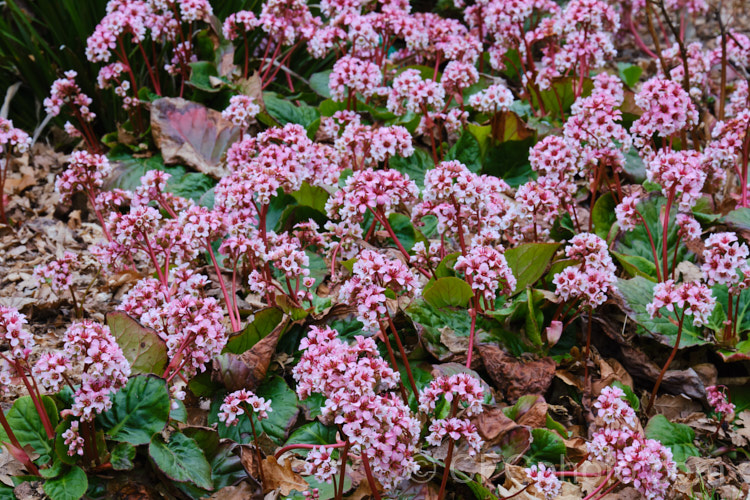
(122, 456)
(528, 262)
(70, 486)
(285, 410)
(27, 425)
(448, 292)
(139, 410)
(262, 324)
(313, 433)
(546, 446)
(677, 437)
(181, 460)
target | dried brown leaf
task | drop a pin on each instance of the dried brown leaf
(514, 377)
(281, 477)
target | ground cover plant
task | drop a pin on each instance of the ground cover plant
(373, 249)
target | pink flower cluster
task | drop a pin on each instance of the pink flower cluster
(646, 464)
(105, 370)
(57, 273)
(493, 99)
(725, 261)
(694, 298)
(20, 342)
(234, 404)
(86, 172)
(372, 277)
(379, 191)
(487, 272)
(458, 389)
(717, 398)
(667, 109)
(191, 323)
(680, 174)
(472, 208)
(544, 479)
(66, 91)
(12, 139)
(593, 278)
(352, 378)
(241, 110)
(351, 75)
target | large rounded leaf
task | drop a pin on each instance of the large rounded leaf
(27, 426)
(70, 486)
(181, 459)
(142, 347)
(285, 410)
(139, 410)
(448, 292)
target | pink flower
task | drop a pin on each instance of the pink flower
(717, 398)
(235, 404)
(545, 480)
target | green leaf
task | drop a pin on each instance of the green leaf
(467, 151)
(181, 460)
(312, 196)
(638, 293)
(142, 347)
(603, 215)
(677, 437)
(139, 410)
(285, 410)
(201, 76)
(319, 83)
(404, 230)
(629, 395)
(510, 161)
(636, 243)
(226, 465)
(285, 112)
(534, 317)
(560, 96)
(448, 292)
(122, 456)
(636, 265)
(26, 424)
(262, 324)
(414, 166)
(6, 493)
(546, 446)
(738, 219)
(629, 73)
(445, 268)
(70, 486)
(528, 262)
(634, 165)
(313, 433)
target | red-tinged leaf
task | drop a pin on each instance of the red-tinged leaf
(192, 134)
(142, 347)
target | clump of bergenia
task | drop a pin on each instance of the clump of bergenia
(630, 458)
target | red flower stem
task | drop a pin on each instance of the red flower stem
(608, 490)
(157, 88)
(402, 351)
(572, 473)
(15, 448)
(653, 245)
(665, 233)
(473, 313)
(602, 485)
(384, 222)
(370, 479)
(449, 456)
(394, 365)
(342, 477)
(666, 365)
(257, 450)
(35, 398)
(305, 446)
(232, 319)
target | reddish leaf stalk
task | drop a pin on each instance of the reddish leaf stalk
(666, 365)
